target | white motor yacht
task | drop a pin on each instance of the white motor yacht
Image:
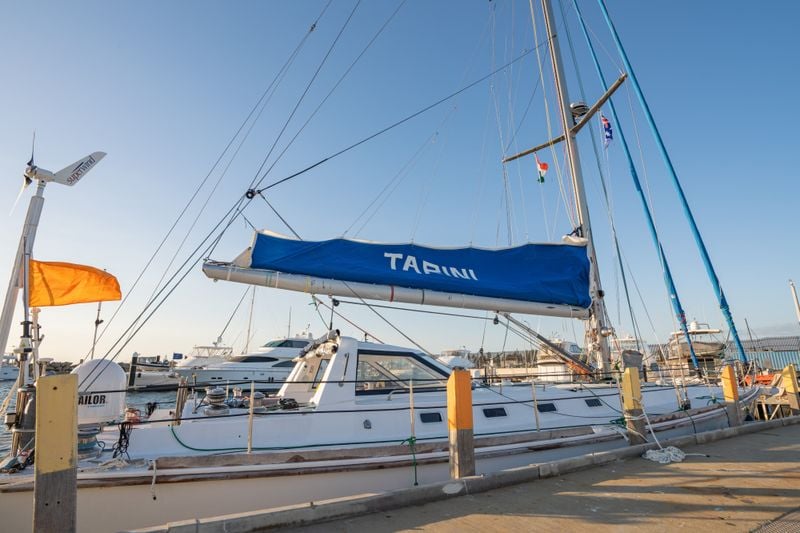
(268, 366)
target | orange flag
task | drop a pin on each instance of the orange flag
(52, 283)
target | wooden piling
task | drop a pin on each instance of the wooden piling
(132, 371)
(730, 390)
(56, 467)
(632, 405)
(459, 422)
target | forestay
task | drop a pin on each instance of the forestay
(550, 279)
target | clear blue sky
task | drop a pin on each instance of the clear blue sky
(163, 86)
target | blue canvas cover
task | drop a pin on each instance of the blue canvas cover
(546, 273)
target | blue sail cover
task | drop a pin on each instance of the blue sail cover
(546, 273)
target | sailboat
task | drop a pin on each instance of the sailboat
(355, 416)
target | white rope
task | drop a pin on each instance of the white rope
(667, 455)
(153, 483)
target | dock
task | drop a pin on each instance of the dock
(734, 479)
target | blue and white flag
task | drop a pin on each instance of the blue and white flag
(607, 133)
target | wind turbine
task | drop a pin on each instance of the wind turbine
(69, 175)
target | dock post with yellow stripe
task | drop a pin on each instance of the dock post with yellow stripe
(790, 386)
(632, 404)
(730, 390)
(55, 488)
(459, 422)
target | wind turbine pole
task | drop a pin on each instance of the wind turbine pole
(25, 249)
(796, 302)
(597, 330)
(68, 176)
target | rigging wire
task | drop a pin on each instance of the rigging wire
(391, 186)
(404, 172)
(426, 188)
(307, 88)
(394, 124)
(280, 217)
(136, 328)
(511, 128)
(235, 309)
(506, 188)
(602, 179)
(183, 211)
(236, 209)
(340, 315)
(332, 90)
(559, 174)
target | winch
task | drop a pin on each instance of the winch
(215, 398)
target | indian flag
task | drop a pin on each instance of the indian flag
(541, 167)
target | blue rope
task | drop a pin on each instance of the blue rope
(712, 275)
(668, 280)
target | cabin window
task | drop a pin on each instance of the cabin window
(284, 364)
(546, 407)
(593, 402)
(286, 343)
(494, 412)
(384, 372)
(294, 344)
(428, 418)
(253, 359)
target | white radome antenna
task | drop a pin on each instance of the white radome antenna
(69, 175)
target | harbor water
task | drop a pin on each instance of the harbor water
(138, 400)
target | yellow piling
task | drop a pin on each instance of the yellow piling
(459, 422)
(730, 391)
(632, 405)
(789, 375)
(56, 466)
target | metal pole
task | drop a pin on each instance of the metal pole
(97, 323)
(26, 343)
(712, 275)
(595, 340)
(250, 417)
(25, 246)
(411, 407)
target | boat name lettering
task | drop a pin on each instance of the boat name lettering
(80, 170)
(91, 399)
(410, 262)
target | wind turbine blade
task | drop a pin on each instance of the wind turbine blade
(22, 190)
(33, 147)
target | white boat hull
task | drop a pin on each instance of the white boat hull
(266, 379)
(115, 506)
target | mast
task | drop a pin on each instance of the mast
(796, 302)
(596, 331)
(712, 275)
